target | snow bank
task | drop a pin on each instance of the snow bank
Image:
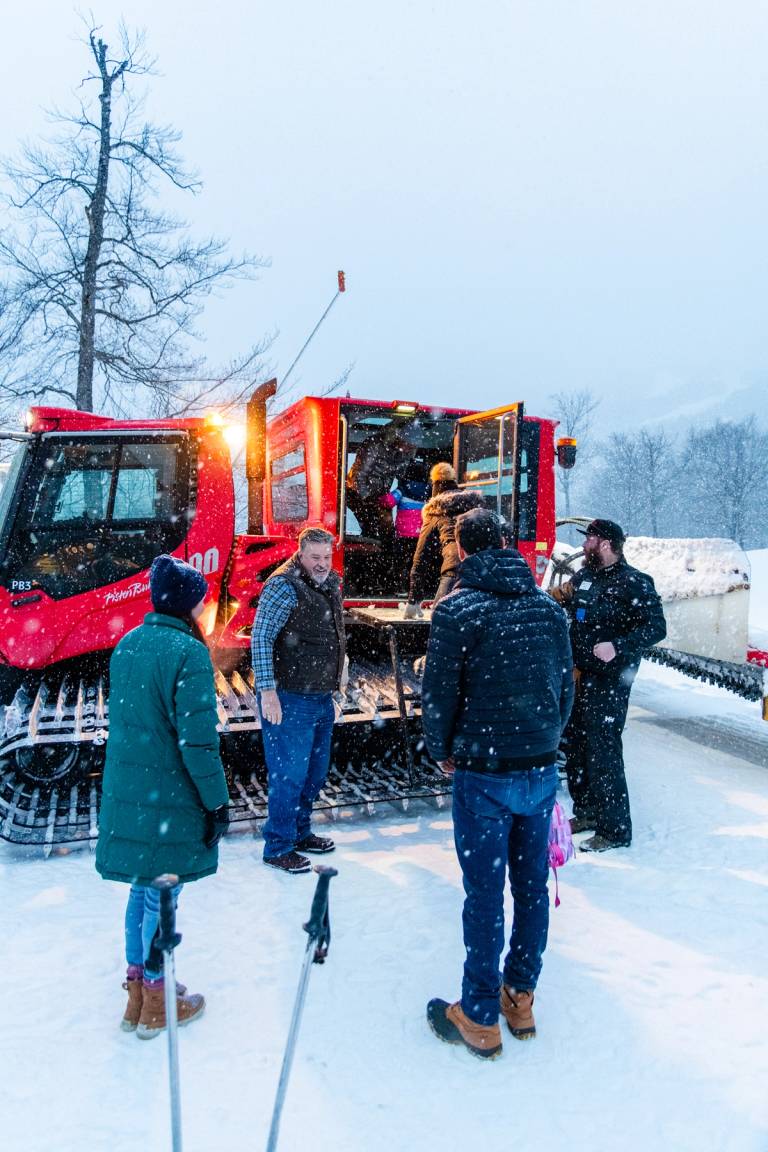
(683, 569)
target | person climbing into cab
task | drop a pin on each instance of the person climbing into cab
(437, 542)
(408, 498)
(378, 461)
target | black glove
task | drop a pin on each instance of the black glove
(216, 824)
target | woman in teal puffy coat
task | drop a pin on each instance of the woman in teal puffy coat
(164, 796)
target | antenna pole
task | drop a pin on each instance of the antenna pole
(341, 288)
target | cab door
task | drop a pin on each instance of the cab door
(486, 456)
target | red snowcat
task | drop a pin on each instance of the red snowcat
(88, 503)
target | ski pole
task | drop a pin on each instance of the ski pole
(165, 941)
(318, 929)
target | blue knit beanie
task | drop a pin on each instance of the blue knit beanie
(175, 587)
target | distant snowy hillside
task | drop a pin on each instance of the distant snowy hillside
(678, 407)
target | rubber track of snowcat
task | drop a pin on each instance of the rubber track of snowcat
(66, 812)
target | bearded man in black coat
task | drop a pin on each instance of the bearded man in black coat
(615, 616)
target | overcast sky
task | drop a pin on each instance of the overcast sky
(525, 196)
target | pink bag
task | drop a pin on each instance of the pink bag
(560, 847)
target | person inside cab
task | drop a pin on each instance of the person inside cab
(379, 460)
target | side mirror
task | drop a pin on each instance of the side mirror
(566, 452)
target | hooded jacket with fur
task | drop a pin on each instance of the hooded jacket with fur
(437, 538)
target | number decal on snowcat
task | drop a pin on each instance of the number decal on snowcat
(207, 563)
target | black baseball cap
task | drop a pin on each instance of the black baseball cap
(606, 530)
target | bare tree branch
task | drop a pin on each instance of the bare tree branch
(574, 410)
(101, 288)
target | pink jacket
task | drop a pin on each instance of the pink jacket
(408, 518)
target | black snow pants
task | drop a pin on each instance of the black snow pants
(595, 760)
(376, 523)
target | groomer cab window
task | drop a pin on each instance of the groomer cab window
(497, 453)
(288, 485)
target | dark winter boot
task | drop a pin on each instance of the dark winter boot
(152, 1020)
(316, 844)
(517, 1010)
(449, 1023)
(581, 824)
(289, 862)
(598, 843)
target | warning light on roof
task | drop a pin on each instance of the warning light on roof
(566, 452)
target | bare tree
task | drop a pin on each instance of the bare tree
(657, 475)
(616, 491)
(574, 410)
(636, 480)
(725, 476)
(100, 286)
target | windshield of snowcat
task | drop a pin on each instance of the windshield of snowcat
(96, 510)
(9, 478)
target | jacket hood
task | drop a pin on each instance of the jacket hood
(453, 503)
(499, 570)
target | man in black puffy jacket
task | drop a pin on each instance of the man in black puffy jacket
(497, 691)
(616, 615)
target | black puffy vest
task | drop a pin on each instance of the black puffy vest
(309, 649)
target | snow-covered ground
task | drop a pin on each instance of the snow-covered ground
(651, 1007)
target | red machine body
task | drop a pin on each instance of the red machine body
(40, 626)
(91, 500)
(306, 443)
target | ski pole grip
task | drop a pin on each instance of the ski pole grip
(167, 937)
(318, 913)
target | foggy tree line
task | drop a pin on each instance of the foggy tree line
(711, 480)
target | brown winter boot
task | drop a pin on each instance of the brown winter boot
(152, 1020)
(449, 1022)
(132, 1012)
(134, 986)
(516, 1007)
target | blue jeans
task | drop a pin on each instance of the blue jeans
(297, 753)
(500, 823)
(142, 915)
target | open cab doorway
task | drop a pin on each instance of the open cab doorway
(386, 452)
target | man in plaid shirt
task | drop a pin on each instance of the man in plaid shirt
(298, 649)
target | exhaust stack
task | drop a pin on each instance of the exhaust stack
(256, 454)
